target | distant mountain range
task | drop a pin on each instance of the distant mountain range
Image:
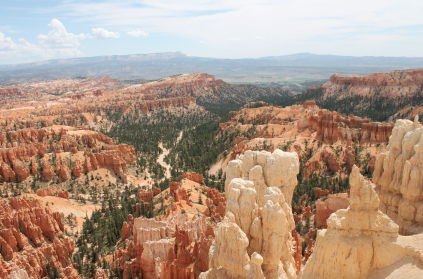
(158, 65)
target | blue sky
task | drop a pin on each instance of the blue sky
(39, 30)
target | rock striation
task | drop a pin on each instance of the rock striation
(171, 249)
(361, 241)
(399, 177)
(254, 239)
(325, 208)
(30, 239)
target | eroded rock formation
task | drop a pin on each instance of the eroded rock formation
(361, 241)
(171, 249)
(399, 177)
(325, 208)
(31, 238)
(254, 240)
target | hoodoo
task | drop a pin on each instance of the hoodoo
(363, 242)
(254, 240)
(399, 177)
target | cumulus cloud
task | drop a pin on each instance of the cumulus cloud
(57, 43)
(323, 27)
(100, 33)
(8, 48)
(59, 38)
(137, 33)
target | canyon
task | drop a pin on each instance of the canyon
(101, 179)
(383, 96)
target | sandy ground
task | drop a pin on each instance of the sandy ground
(67, 207)
(165, 152)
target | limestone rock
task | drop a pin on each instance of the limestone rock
(193, 176)
(62, 170)
(398, 176)
(41, 192)
(325, 208)
(359, 240)
(63, 194)
(258, 220)
(78, 169)
(47, 170)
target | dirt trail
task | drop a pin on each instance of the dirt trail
(165, 152)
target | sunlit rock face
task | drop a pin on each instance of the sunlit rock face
(399, 177)
(254, 240)
(362, 241)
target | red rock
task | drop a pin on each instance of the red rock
(63, 194)
(349, 157)
(329, 158)
(193, 177)
(298, 256)
(41, 193)
(156, 191)
(310, 167)
(8, 174)
(47, 170)
(78, 169)
(34, 167)
(49, 192)
(330, 205)
(238, 140)
(306, 210)
(320, 193)
(144, 195)
(309, 104)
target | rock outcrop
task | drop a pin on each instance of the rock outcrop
(193, 176)
(30, 239)
(47, 170)
(399, 177)
(254, 240)
(361, 241)
(325, 208)
(171, 249)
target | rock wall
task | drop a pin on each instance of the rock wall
(399, 177)
(325, 208)
(361, 241)
(332, 126)
(31, 238)
(254, 239)
(171, 249)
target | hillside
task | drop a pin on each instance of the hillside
(380, 96)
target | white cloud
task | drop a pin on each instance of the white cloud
(10, 49)
(137, 33)
(100, 33)
(234, 39)
(59, 38)
(58, 43)
(258, 38)
(309, 26)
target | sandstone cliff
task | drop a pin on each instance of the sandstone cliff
(399, 177)
(32, 238)
(254, 240)
(361, 241)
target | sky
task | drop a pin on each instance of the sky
(40, 30)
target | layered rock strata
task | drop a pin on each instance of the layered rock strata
(361, 241)
(254, 240)
(32, 238)
(174, 248)
(399, 177)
